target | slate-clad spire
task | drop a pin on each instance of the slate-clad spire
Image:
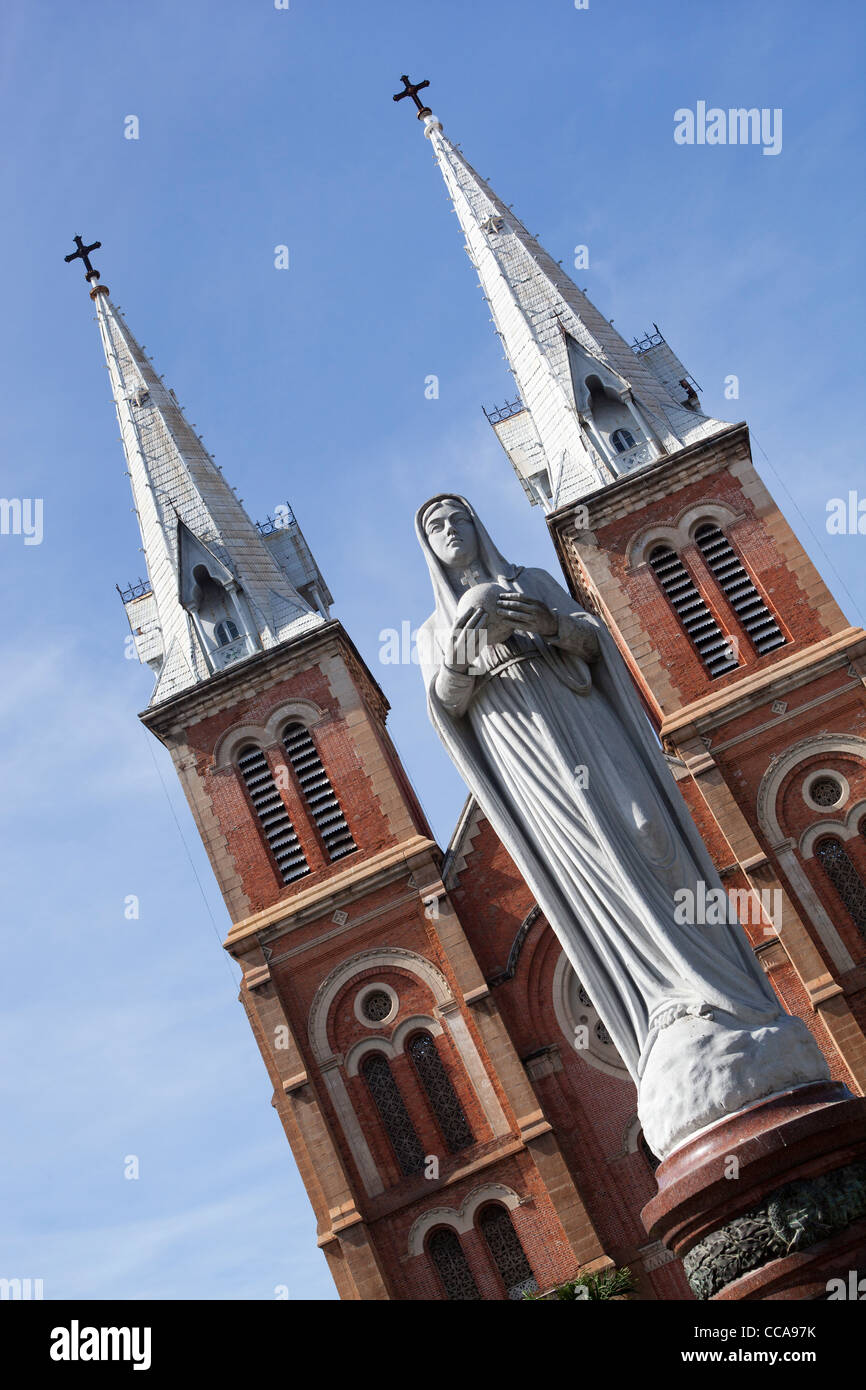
(220, 589)
(591, 406)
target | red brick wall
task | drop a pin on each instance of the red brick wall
(234, 811)
(535, 1222)
(768, 568)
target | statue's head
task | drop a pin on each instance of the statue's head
(450, 532)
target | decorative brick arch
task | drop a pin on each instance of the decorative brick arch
(384, 958)
(847, 829)
(594, 1054)
(417, 1024)
(783, 763)
(296, 711)
(393, 1046)
(460, 1219)
(361, 1049)
(233, 740)
(784, 848)
(395, 957)
(305, 712)
(679, 532)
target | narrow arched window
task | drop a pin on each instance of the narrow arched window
(451, 1265)
(622, 440)
(441, 1094)
(508, 1254)
(842, 873)
(226, 631)
(393, 1113)
(711, 644)
(763, 631)
(273, 817)
(317, 791)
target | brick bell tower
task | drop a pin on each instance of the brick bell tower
(754, 681)
(751, 674)
(396, 1081)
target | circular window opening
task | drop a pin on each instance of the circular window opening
(603, 1035)
(376, 1006)
(826, 791)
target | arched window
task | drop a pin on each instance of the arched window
(507, 1252)
(712, 646)
(754, 615)
(442, 1096)
(842, 873)
(393, 1113)
(452, 1266)
(318, 792)
(273, 816)
(622, 440)
(226, 632)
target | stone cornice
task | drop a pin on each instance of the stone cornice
(786, 674)
(507, 1147)
(220, 691)
(362, 878)
(614, 498)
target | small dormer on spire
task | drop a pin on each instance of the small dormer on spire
(220, 589)
(589, 406)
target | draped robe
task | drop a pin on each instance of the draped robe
(551, 738)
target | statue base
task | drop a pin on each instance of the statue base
(699, 1066)
(770, 1203)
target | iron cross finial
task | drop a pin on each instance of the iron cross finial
(411, 90)
(83, 253)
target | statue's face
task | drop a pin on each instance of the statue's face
(451, 534)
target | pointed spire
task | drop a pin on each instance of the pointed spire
(590, 406)
(221, 589)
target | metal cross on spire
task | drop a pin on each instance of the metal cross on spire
(83, 253)
(412, 90)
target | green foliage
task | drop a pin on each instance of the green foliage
(611, 1284)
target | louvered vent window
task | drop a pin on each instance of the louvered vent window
(711, 644)
(441, 1094)
(451, 1265)
(754, 615)
(842, 873)
(273, 816)
(318, 792)
(508, 1255)
(393, 1113)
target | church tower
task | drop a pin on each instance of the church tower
(752, 675)
(428, 1161)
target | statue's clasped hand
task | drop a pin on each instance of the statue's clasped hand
(528, 614)
(463, 642)
(493, 621)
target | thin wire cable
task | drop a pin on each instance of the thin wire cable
(854, 605)
(216, 930)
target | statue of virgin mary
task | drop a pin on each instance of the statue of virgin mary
(544, 724)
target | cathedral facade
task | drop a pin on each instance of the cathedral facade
(463, 1125)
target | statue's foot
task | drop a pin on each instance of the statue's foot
(699, 1070)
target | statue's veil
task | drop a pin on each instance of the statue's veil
(446, 589)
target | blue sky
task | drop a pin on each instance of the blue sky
(261, 127)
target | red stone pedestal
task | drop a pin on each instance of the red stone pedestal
(770, 1203)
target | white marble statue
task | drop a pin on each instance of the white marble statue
(545, 725)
